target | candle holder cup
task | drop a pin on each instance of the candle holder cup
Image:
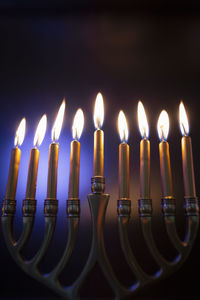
(98, 202)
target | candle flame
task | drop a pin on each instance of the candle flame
(40, 131)
(20, 133)
(78, 124)
(142, 120)
(98, 111)
(122, 127)
(55, 133)
(183, 120)
(163, 125)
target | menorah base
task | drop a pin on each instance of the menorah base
(98, 204)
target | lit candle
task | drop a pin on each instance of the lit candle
(53, 154)
(187, 158)
(165, 166)
(34, 159)
(98, 162)
(77, 129)
(15, 161)
(144, 153)
(124, 186)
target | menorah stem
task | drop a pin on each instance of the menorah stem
(98, 204)
(28, 223)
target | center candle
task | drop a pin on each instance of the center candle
(98, 163)
(124, 178)
(53, 154)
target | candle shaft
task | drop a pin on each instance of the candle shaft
(13, 174)
(124, 171)
(165, 170)
(98, 153)
(188, 168)
(145, 169)
(32, 174)
(74, 170)
(52, 171)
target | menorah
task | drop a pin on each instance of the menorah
(98, 202)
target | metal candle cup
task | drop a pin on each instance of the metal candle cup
(74, 170)
(124, 177)
(144, 169)
(165, 170)
(32, 173)
(188, 168)
(52, 171)
(98, 163)
(13, 174)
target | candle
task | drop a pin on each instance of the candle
(144, 153)
(124, 186)
(15, 161)
(98, 162)
(187, 157)
(165, 166)
(77, 129)
(34, 159)
(53, 154)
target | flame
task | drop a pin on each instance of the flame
(142, 120)
(98, 111)
(122, 127)
(20, 133)
(183, 120)
(55, 133)
(163, 125)
(78, 124)
(40, 131)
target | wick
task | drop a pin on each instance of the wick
(184, 130)
(163, 136)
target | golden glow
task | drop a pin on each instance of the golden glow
(122, 127)
(20, 133)
(163, 125)
(78, 124)
(183, 120)
(40, 131)
(55, 133)
(98, 111)
(142, 121)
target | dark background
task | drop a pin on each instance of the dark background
(142, 50)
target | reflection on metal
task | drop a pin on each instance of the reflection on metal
(98, 202)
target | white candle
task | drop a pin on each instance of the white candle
(165, 165)
(144, 153)
(187, 157)
(98, 163)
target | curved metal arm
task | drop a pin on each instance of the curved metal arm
(183, 247)
(98, 203)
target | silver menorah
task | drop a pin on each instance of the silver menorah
(98, 202)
